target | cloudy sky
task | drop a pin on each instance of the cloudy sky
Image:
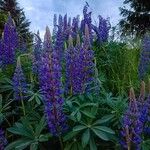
(40, 12)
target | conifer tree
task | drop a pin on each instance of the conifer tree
(136, 17)
(18, 15)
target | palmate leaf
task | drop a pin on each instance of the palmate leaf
(102, 135)
(37, 96)
(6, 85)
(19, 129)
(79, 128)
(40, 126)
(31, 133)
(19, 144)
(104, 129)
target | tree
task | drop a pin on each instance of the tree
(3, 18)
(18, 15)
(136, 18)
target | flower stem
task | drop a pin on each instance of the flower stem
(61, 143)
(22, 103)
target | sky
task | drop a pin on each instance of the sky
(41, 12)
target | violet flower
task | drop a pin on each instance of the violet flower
(79, 66)
(132, 126)
(10, 42)
(47, 45)
(51, 86)
(37, 52)
(103, 29)
(144, 63)
(19, 83)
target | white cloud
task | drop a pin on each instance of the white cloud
(40, 12)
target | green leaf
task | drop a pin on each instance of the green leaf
(19, 129)
(44, 138)
(88, 114)
(40, 126)
(85, 137)
(22, 143)
(70, 135)
(78, 116)
(88, 105)
(92, 144)
(94, 110)
(79, 128)
(102, 135)
(31, 98)
(103, 119)
(104, 129)
(34, 146)
(38, 100)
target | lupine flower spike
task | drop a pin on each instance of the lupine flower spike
(47, 41)
(51, 86)
(144, 58)
(132, 127)
(9, 42)
(19, 83)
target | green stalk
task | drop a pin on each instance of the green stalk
(22, 103)
(61, 143)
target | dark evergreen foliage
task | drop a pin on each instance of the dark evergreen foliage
(136, 17)
(18, 15)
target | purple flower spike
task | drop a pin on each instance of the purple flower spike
(86, 44)
(55, 26)
(132, 125)
(47, 45)
(59, 43)
(51, 86)
(10, 42)
(104, 27)
(79, 68)
(19, 83)
(145, 57)
(37, 52)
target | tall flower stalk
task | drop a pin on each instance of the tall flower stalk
(19, 85)
(9, 42)
(51, 86)
(79, 65)
(47, 45)
(144, 62)
(132, 126)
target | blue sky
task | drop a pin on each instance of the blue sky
(40, 12)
